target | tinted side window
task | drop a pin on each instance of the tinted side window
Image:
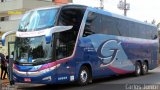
(93, 24)
(103, 24)
(64, 44)
(133, 29)
(109, 25)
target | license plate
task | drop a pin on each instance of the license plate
(27, 79)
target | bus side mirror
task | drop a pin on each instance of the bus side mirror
(4, 36)
(55, 29)
(3, 42)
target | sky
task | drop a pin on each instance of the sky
(139, 9)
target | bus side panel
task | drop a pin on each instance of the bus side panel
(111, 55)
(141, 49)
(90, 57)
(107, 55)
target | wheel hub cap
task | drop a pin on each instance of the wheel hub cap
(84, 76)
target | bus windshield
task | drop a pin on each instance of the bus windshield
(32, 50)
(35, 49)
(38, 19)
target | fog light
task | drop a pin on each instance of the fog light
(47, 78)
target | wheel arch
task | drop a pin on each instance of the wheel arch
(88, 65)
(146, 62)
(140, 61)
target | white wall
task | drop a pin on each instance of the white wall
(48, 0)
(15, 17)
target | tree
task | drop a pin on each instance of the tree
(153, 22)
(158, 26)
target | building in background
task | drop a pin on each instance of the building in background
(11, 11)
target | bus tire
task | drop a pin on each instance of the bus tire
(144, 68)
(138, 69)
(84, 76)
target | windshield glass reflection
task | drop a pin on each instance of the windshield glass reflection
(37, 20)
(31, 50)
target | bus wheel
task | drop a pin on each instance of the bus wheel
(138, 69)
(144, 68)
(84, 76)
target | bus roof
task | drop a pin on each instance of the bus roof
(105, 12)
(98, 10)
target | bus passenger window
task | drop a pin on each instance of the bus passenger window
(66, 40)
(93, 24)
(109, 25)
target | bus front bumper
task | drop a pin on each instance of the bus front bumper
(34, 77)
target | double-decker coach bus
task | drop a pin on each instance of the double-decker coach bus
(80, 43)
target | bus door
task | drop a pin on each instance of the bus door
(64, 48)
(10, 64)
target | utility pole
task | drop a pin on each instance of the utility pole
(125, 10)
(123, 5)
(101, 4)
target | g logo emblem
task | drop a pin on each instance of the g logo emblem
(107, 51)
